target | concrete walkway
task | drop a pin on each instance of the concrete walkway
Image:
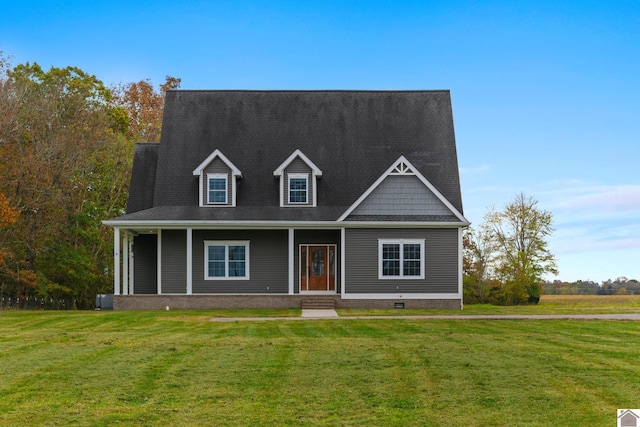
(318, 313)
(331, 314)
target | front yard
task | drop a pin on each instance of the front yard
(177, 368)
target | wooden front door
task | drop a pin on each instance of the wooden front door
(317, 268)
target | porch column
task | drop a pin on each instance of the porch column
(116, 261)
(125, 264)
(343, 264)
(291, 259)
(189, 261)
(159, 271)
(460, 266)
(131, 267)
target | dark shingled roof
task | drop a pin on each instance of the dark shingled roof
(143, 175)
(352, 136)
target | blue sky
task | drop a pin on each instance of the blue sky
(546, 94)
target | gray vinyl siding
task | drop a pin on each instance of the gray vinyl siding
(145, 271)
(402, 195)
(217, 166)
(441, 261)
(312, 237)
(174, 261)
(297, 166)
(268, 262)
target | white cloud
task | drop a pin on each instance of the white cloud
(597, 226)
(600, 198)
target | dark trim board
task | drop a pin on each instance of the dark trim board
(174, 262)
(146, 271)
(213, 302)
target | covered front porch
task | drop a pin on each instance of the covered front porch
(177, 261)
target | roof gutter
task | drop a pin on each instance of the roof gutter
(181, 224)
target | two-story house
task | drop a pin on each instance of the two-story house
(264, 198)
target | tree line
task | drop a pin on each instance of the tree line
(66, 148)
(619, 286)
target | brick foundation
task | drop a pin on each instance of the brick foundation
(194, 302)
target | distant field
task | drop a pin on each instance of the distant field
(549, 304)
(178, 369)
(591, 299)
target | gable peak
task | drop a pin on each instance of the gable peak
(217, 154)
(297, 154)
(402, 168)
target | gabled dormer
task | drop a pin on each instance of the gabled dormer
(217, 181)
(298, 176)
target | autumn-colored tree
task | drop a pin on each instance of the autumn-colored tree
(60, 120)
(144, 107)
(66, 147)
(8, 215)
(57, 136)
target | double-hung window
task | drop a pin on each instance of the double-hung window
(401, 259)
(226, 260)
(298, 188)
(217, 189)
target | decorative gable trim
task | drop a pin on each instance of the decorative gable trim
(402, 166)
(202, 176)
(280, 173)
(314, 169)
(401, 169)
(217, 154)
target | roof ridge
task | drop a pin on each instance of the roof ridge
(316, 90)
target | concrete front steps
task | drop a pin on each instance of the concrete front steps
(318, 302)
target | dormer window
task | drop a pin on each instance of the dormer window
(298, 181)
(217, 192)
(298, 188)
(217, 180)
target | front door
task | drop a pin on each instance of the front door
(317, 268)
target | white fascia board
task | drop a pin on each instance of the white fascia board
(166, 224)
(422, 179)
(402, 224)
(200, 190)
(401, 296)
(234, 170)
(315, 170)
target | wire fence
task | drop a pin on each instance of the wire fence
(33, 303)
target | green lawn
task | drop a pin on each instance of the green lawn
(178, 369)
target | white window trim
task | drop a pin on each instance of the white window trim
(226, 188)
(226, 244)
(200, 173)
(280, 173)
(297, 176)
(401, 242)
